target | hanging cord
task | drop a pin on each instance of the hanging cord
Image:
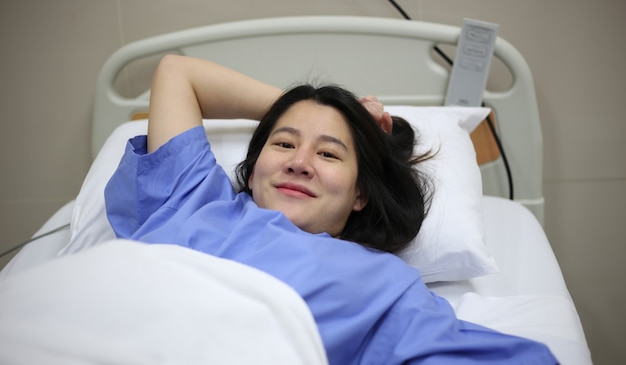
(492, 128)
(505, 160)
(58, 229)
(407, 17)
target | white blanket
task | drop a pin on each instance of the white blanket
(129, 303)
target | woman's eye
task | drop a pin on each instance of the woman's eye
(284, 145)
(328, 155)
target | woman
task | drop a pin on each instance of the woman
(325, 191)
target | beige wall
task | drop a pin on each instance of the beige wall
(52, 50)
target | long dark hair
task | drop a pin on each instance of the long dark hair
(398, 195)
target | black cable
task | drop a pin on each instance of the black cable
(443, 55)
(35, 239)
(407, 17)
(400, 10)
(489, 121)
(505, 160)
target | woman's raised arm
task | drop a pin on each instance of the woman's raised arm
(185, 90)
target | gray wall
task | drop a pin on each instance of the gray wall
(52, 51)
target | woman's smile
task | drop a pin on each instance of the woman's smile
(295, 190)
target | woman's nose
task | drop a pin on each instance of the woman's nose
(300, 164)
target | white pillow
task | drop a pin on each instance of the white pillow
(450, 245)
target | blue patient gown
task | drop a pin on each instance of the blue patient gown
(370, 307)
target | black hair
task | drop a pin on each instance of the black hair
(397, 194)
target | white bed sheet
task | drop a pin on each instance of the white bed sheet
(528, 297)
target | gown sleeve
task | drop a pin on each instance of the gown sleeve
(146, 189)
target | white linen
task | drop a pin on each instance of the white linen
(129, 303)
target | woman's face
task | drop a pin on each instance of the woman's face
(308, 169)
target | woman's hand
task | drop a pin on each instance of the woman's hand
(377, 110)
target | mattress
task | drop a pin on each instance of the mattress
(528, 297)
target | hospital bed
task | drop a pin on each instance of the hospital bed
(482, 249)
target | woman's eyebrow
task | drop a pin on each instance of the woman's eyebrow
(331, 139)
(323, 137)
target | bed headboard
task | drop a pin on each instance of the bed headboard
(390, 58)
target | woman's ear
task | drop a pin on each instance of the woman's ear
(360, 201)
(250, 180)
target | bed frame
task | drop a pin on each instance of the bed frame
(398, 65)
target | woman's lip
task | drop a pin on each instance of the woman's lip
(295, 190)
